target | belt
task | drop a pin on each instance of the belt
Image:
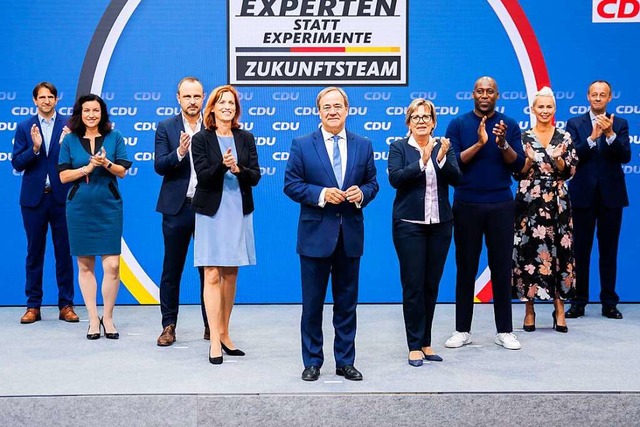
(47, 190)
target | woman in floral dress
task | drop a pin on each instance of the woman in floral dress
(543, 261)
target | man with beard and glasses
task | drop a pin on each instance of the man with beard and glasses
(174, 162)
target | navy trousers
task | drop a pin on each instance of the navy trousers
(607, 222)
(177, 231)
(422, 252)
(494, 222)
(36, 224)
(315, 273)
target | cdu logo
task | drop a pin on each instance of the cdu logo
(616, 11)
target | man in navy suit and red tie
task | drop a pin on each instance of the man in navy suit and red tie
(332, 175)
(42, 201)
(598, 193)
(174, 162)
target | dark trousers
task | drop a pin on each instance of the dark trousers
(422, 252)
(494, 222)
(36, 223)
(177, 231)
(608, 223)
(315, 273)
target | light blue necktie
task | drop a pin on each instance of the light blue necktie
(337, 160)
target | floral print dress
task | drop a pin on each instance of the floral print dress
(543, 261)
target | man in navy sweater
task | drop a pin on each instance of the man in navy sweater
(483, 206)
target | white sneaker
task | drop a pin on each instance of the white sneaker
(458, 339)
(508, 341)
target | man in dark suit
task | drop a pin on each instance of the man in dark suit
(598, 194)
(42, 200)
(331, 173)
(174, 162)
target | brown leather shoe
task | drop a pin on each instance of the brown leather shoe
(168, 336)
(68, 315)
(207, 333)
(31, 315)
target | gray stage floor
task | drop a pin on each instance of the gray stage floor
(53, 358)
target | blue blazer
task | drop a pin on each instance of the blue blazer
(308, 171)
(600, 166)
(176, 174)
(410, 184)
(36, 167)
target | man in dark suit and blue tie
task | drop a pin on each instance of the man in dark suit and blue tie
(332, 175)
(174, 162)
(42, 201)
(598, 193)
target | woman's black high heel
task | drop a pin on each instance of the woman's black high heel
(109, 335)
(230, 352)
(559, 328)
(95, 335)
(215, 360)
(530, 328)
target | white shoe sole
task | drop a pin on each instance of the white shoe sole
(501, 344)
(457, 344)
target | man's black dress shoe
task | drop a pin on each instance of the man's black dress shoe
(574, 312)
(311, 373)
(611, 312)
(349, 372)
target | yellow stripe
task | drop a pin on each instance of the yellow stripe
(134, 286)
(372, 49)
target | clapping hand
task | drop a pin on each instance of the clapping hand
(530, 152)
(36, 137)
(483, 137)
(444, 147)
(500, 130)
(185, 142)
(230, 161)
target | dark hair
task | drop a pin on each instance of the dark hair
(75, 122)
(45, 85)
(209, 119)
(599, 81)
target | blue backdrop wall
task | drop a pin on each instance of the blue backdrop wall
(141, 49)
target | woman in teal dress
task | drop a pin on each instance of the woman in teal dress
(91, 157)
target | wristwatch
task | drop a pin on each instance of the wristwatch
(505, 146)
(109, 165)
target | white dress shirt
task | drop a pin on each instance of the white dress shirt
(193, 179)
(431, 208)
(590, 141)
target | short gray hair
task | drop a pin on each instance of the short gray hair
(545, 91)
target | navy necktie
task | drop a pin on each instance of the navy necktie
(337, 160)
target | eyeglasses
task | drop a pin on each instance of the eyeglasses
(334, 107)
(418, 119)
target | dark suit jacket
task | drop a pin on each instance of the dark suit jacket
(409, 181)
(36, 167)
(600, 166)
(176, 174)
(308, 171)
(207, 160)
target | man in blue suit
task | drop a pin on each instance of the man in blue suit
(42, 201)
(598, 194)
(331, 173)
(174, 162)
